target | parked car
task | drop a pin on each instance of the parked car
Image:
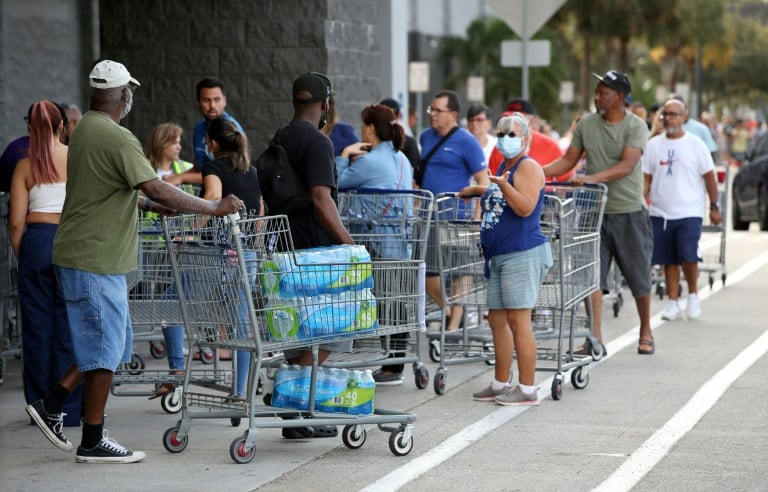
(750, 189)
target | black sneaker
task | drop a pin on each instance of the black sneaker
(108, 451)
(50, 424)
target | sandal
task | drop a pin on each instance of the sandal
(646, 347)
(162, 389)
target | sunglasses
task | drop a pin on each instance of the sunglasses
(502, 134)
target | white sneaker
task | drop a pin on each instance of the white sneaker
(671, 312)
(694, 306)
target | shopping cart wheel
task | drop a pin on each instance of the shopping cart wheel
(353, 436)
(422, 376)
(722, 277)
(580, 377)
(489, 352)
(157, 350)
(711, 280)
(397, 445)
(239, 452)
(207, 355)
(434, 351)
(439, 384)
(172, 442)
(235, 421)
(136, 365)
(557, 387)
(171, 401)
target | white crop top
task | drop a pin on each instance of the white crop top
(47, 198)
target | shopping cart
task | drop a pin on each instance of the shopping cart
(456, 243)
(10, 327)
(571, 219)
(712, 264)
(392, 225)
(226, 264)
(153, 305)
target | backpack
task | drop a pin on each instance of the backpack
(281, 186)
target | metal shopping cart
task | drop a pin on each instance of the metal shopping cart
(456, 244)
(712, 264)
(571, 219)
(232, 271)
(153, 304)
(10, 326)
(392, 225)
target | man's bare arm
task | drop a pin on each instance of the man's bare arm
(328, 214)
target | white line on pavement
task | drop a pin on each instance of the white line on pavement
(658, 445)
(461, 440)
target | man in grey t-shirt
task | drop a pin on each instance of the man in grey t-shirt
(614, 140)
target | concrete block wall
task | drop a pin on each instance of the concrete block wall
(256, 47)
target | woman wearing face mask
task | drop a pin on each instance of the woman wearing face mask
(230, 172)
(517, 256)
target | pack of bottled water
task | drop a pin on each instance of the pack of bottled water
(337, 390)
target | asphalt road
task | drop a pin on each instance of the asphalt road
(690, 417)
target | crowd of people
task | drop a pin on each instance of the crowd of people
(82, 180)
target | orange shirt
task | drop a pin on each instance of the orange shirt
(543, 150)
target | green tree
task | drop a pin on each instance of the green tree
(479, 54)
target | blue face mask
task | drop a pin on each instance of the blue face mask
(509, 146)
(209, 155)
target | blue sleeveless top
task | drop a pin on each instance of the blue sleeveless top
(502, 231)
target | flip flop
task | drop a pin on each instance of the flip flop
(646, 347)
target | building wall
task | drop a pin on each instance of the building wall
(256, 47)
(41, 58)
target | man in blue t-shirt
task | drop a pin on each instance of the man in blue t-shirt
(450, 169)
(212, 102)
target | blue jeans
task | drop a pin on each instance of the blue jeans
(174, 335)
(243, 357)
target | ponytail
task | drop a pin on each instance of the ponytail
(44, 119)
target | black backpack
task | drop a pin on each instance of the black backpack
(282, 188)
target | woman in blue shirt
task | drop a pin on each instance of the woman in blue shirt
(377, 162)
(517, 255)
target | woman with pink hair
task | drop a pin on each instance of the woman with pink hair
(38, 188)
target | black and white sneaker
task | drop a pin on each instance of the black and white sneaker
(108, 451)
(387, 378)
(50, 424)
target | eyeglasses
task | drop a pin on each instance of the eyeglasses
(431, 110)
(666, 114)
(502, 134)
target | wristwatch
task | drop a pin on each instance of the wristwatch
(714, 206)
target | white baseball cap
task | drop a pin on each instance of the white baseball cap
(108, 74)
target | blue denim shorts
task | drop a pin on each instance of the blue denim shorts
(676, 241)
(97, 309)
(516, 277)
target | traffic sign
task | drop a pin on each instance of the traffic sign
(536, 14)
(418, 76)
(538, 53)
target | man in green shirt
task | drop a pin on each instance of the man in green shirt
(614, 140)
(95, 246)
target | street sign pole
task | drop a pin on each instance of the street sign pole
(525, 50)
